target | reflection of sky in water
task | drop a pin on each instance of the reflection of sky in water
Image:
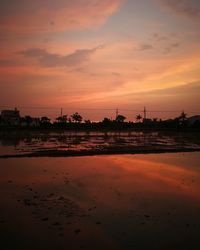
(119, 200)
(16, 143)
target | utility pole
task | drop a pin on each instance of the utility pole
(61, 112)
(117, 112)
(145, 112)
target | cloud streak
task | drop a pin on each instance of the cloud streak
(145, 46)
(47, 59)
(166, 43)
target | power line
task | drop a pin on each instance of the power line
(103, 109)
(35, 107)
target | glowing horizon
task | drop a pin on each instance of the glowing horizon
(105, 54)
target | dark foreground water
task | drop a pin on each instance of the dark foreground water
(101, 202)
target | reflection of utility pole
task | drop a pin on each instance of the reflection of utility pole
(117, 112)
(145, 113)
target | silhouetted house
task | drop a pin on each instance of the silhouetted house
(194, 119)
(10, 117)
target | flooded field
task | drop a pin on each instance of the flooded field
(28, 142)
(101, 202)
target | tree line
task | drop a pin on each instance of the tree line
(76, 121)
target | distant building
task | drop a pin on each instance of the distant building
(10, 117)
(194, 119)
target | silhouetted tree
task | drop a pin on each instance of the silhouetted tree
(62, 119)
(28, 120)
(120, 118)
(138, 117)
(87, 121)
(155, 120)
(1, 119)
(45, 120)
(106, 120)
(183, 118)
(76, 117)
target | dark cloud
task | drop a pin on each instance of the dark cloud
(187, 8)
(6, 62)
(35, 52)
(159, 37)
(170, 47)
(166, 43)
(11, 63)
(47, 59)
(145, 46)
(116, 74)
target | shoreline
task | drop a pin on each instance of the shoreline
(73, 153)
(102, 129)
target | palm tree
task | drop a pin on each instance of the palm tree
(120, 118)
(138, 117)
(183, 116)
(76, 117)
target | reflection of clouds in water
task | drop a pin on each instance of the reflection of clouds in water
(32, 141)
(154, 174)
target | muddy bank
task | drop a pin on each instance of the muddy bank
(101, 202)
(108, 151)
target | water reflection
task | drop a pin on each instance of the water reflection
(126, 202)
(31, 141)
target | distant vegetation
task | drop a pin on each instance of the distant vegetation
(12, 119)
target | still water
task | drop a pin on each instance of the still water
(101, 202)
(25, 142)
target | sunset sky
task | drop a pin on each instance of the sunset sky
(100, 54)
